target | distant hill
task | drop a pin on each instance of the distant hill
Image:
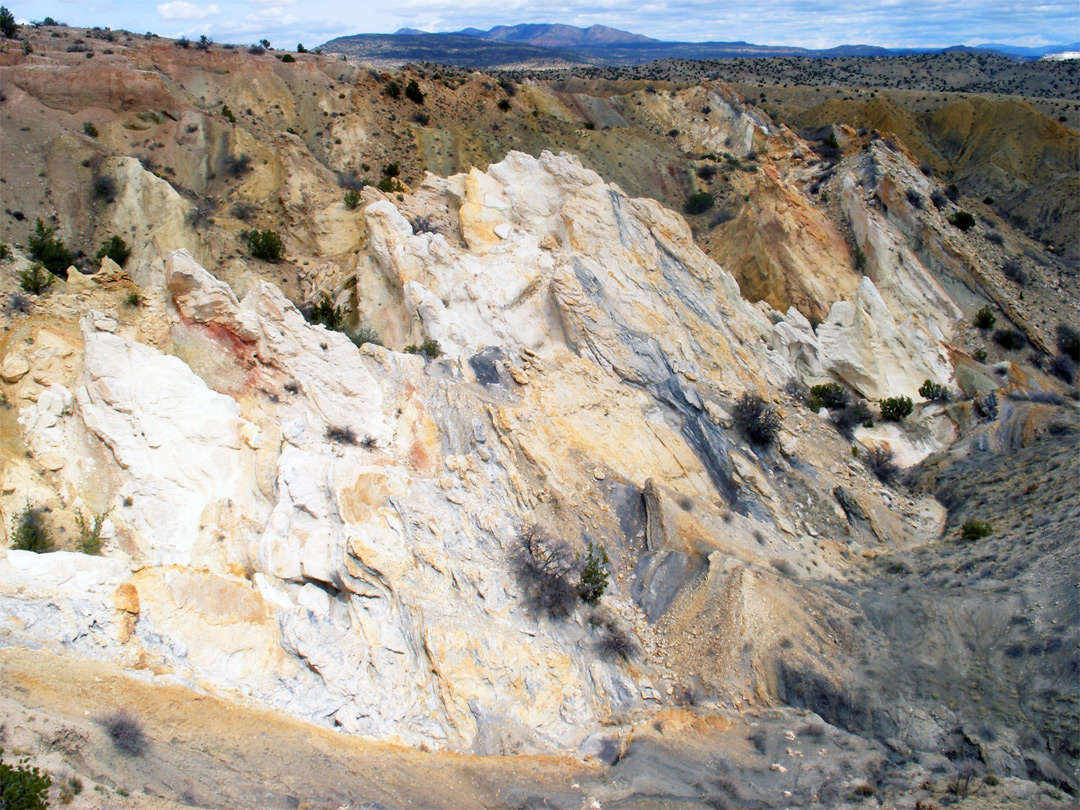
(459, 50)
(560, 36)
(546, 45)
(1033, 53)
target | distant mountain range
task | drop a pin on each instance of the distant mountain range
(552, 45)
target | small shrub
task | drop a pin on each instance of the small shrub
(392, 89)
(200, 215)
(1064, 368)
(995, 238)
(430, 348)
(256, 50)
(227, 114)
(29, 532)
(265, 245)
(50, 251)
(504, 104)
(979, 354)
(22, 786)
(89, 129)
(543, 566)
(939, 200)
(70, 787)
(988, 200)
(756, 420)
(698, 203)
(985, 318)
(183, 43)
(1009, 339)
(340, 435)
(783, 567)
(423, 224)
(1014, 272)
(934, 392)
(976, 530)
(126, 732)
(850, 416)
(243, 211)
(414, 94)
(35, 279)
(860, 259)
(952, 191)
(423, 119)
(104, 188)
(914, 199)
(1068, 342)
(706, 172)
(828, 395)
(116, 249)
(237, 165)
(352, 199)
(133, 299)
(5, 251)
(594, 575)
(300, 48)
(389, 185)
(288, 58)
(391, 170)
(90, 534)
(879, 460)
(18, 303)
(365, 334)
(962, 220)
(328, 315)
(615, 643)
(896, 409)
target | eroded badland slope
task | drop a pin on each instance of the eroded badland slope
(313, 585)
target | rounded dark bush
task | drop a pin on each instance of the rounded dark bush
(543, 566)
(29, 532)
(116, 249)
(615, 643)
(828, 395)
(126, 732)
(266, 245)
(976, 530)
(413, 92)
(698, 203)
(934, 392)
(1068, 342)
(1009, 339)
(1014, 272)
(985, 318)
(962, 220)
(896, 409)
(850, 417)
(756, 419)
(879, 460)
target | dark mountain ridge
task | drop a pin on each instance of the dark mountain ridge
(601, 45)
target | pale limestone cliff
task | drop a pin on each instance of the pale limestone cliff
(332, 529)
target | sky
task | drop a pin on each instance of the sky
(887, 23)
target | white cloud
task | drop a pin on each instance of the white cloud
(179, 10)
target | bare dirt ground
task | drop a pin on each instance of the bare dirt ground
(205, 752)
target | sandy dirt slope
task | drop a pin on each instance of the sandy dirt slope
(205, 752)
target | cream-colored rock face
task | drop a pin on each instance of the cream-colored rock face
(331, 529)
